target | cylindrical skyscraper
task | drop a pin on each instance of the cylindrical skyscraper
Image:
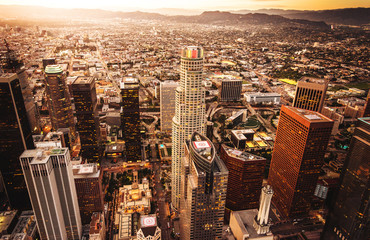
(189, 111)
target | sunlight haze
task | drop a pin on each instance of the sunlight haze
(123, 5)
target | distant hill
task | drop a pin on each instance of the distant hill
(208, 17)
(217, 17)
(347, 16)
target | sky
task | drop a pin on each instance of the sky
(122, 5)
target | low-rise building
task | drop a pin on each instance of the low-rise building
(97, 226)
(262, 98)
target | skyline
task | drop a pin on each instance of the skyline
(193, 4)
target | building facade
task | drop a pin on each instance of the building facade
(49, 178)
(97, 226)
(203, 190)
(189, 111)
(301, 140)
(59, 100)
(310, 94)
(15, 137)
(366, 112)
(348, 218)
(262, 98)
(167, 104)
(88, 181)
(84, 95)
(230, 89)
(245, 178)
(130, 118)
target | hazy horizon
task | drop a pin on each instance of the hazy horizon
(192, 5)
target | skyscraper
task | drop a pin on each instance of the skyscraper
(189, 111)
(130, 118)
(49, 178)
(245, 178)
(203, 190)
(301, 140)
(366, 112)
(230, 89)
(310, 94)
(88, 181)
(15, 137)
(348, 218)
(84, 95)
(59, 104)
(167, 104)
(13, 65)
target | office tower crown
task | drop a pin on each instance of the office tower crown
(53, 69)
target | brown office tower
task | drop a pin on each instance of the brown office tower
(15, 137)
(348, 217)
(84, 95)
(88, 181)
(60, 109)
(366, 112)
(245, 178)
(301, 140)
(130, 119)
(310, 94)
(203, 190)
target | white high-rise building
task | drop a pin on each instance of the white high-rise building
(262, 222)
(50, 184)
(189, 111)
(167, 98)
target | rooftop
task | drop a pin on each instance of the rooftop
(129, 82)
(245, 221)
(41, 155)
(26, 223)
(52, 69)
(83, 80)
(192, 52)
(261, 94)
(86, 171)
(244, 156)
(96, 223)
(308, 115)
(7, 77)
(203, 147)
(6, 219)
(240, 134)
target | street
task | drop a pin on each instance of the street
(160, 197)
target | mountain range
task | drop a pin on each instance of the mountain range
(348, 16)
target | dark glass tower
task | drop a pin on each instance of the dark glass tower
(349, 217)
(130, 119)
(84, 94)
(15, 137)
(60, 108)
